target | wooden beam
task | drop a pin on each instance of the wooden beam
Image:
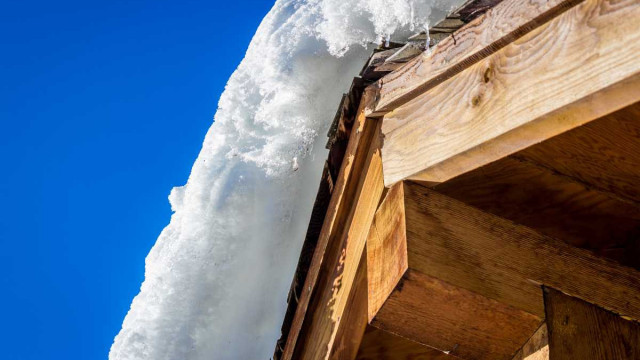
(337, 215)
(378, 344)
(579, 330)
(604, 154)
(427, 310)
(579, 66)
(386, 249)
(488, 33)
(326, 314)
(354, 322)
(454, 320)
(507, 262)
(552, 203)
(537, 347)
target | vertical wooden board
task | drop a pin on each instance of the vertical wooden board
(540, 85)
(338, 211)
(324, 319)
(386, 249)
(505, 261)
(537, 347)
(579, 330)
(451, 319)
(382, 345)
(354, 321)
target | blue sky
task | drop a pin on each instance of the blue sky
(104, 106)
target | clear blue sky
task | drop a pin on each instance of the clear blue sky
(104, 106)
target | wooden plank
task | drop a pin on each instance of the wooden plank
(553, 204)
(325, 316)
(354, 322)
(575, 68)
(378, 344)
(386, 249)
(579, 330)
(337, 214)
(537, 347)
(457, 321)
(507, 262)
(604, 154)
(480, 38)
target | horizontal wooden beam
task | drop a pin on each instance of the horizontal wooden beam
(577, 67)
(579, 330)
(604, 154)
(427, 310)
(471, 281)
(488, 33)
(454, 320)
(508, 262)
(554, 204)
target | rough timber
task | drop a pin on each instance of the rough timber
(511, 215)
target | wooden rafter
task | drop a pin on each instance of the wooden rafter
(463, 271)
(576, 67)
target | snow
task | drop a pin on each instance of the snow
(216, 281)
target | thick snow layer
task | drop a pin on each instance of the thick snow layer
(217, 278)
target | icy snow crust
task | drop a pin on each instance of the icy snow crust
(217, 278)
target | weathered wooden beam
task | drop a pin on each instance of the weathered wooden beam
(327, 311)
(427, 310)
(499, 26)
(537, 347)
(471, 281)
(386, 249)
(579, 330)
(337, 215)
(454, 320)
(552, 203)
(382, 345)
(354, 320)
(603, 155)
(508, 262)
(577, 67)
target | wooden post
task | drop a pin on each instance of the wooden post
(580, 330)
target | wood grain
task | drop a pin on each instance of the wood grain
(460, 322)
(382, 345)
(334, 221)
(386, 249)
(604, 154)
(327, 312)
(551, 203)
(475, 41)
(537, 347)
(354, 322)
(575, 68)
(505, 261)
(579, 330)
